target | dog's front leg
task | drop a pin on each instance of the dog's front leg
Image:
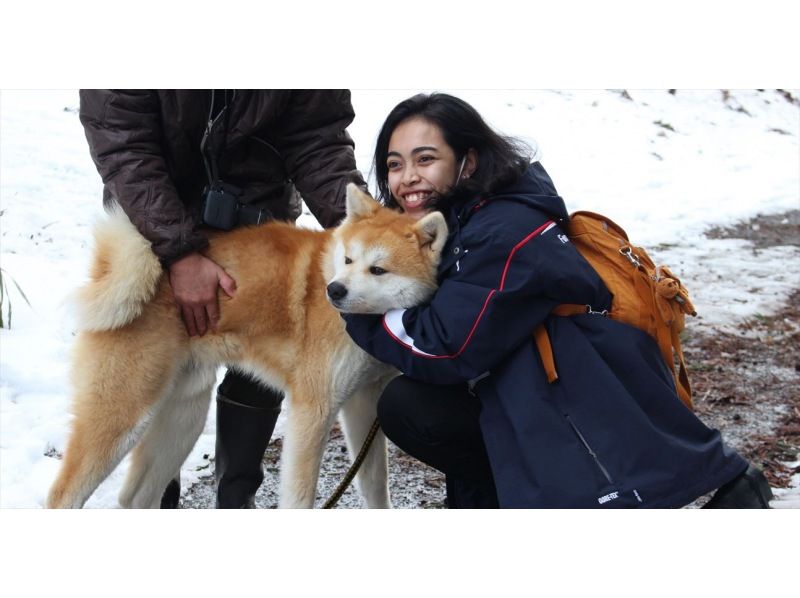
(308, 425)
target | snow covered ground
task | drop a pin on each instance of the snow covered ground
(664, 166)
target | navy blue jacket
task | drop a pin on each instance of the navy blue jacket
(611, 431)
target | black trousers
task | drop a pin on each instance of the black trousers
(439, 426)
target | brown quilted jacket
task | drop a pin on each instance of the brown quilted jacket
(146, 146)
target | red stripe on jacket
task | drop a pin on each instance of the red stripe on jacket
(541, 230)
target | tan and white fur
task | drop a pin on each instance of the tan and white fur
(142, 384)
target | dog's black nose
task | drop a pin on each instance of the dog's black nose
(336, 291)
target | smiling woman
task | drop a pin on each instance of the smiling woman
(475, 401)
(422, 166)
(429, 155)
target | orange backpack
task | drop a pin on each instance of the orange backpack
(647, 296)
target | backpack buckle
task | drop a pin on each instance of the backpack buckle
(632, 257)
(589, 310)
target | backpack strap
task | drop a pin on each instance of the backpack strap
(667, 343)
(542, 340)
(572, 309)
(670, 288)
(682, 377)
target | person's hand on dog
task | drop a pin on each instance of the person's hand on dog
(194, 280)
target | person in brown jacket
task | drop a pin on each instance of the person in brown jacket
(179, 161)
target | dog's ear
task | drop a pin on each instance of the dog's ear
(432, 231)
(359, 204)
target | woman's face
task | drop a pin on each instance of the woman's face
(421, 165)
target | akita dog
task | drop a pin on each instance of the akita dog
(142, 383)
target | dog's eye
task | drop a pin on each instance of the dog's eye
(377, 271)
(347, 260)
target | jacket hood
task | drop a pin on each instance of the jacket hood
(536, 189)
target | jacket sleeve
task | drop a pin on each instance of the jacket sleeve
(318, 151)
(124, 134)
(490, 304)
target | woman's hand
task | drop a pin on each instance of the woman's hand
(194, 280)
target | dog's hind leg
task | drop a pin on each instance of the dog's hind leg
(308, 424)
(119, 377)
(169, 439)
(357, 416)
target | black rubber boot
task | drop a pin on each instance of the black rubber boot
(749, 490)
(172, 495)
(246, 416)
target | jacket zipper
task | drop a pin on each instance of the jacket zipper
(589, 449)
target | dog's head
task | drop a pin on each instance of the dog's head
(381, 259)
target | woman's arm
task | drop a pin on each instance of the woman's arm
(503, 287)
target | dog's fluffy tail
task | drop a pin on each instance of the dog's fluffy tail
(124, 276)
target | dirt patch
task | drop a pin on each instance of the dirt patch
(746, 383)
(746, 386)
(764, 231)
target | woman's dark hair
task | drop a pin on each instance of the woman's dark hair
(501, 160)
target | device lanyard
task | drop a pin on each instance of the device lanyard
(207, 143)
